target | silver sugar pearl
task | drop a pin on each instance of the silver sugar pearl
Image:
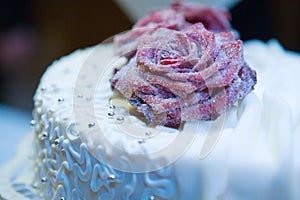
(111, 106)
(56, 142)
(91, 125)
(152, 197)
(32, 122)
(60, 99)
(112, 177)
(80, 95)
(110, 114)
(62, 198)
(141, 141)
(120, 119)
(44, 180)
(35, 185)
(43, 136)
(43, 88)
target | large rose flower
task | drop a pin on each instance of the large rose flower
(193, 74)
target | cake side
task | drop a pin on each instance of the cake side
(66, 169)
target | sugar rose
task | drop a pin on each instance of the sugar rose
(192, 74)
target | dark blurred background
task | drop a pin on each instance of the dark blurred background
(34, 33)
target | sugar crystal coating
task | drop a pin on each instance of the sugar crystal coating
(187, 73)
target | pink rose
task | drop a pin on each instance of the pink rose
(193, 74)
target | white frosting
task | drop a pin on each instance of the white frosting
(255, 157)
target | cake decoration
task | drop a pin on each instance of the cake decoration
(194, 73)
(267, 119)
(91, 125)
(32, 122)
(183, 72)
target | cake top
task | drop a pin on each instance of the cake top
(185, 64)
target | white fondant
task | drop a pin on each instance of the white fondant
(255, 157)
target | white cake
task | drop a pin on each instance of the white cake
(87, 148)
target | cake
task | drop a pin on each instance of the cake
(91, 143)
